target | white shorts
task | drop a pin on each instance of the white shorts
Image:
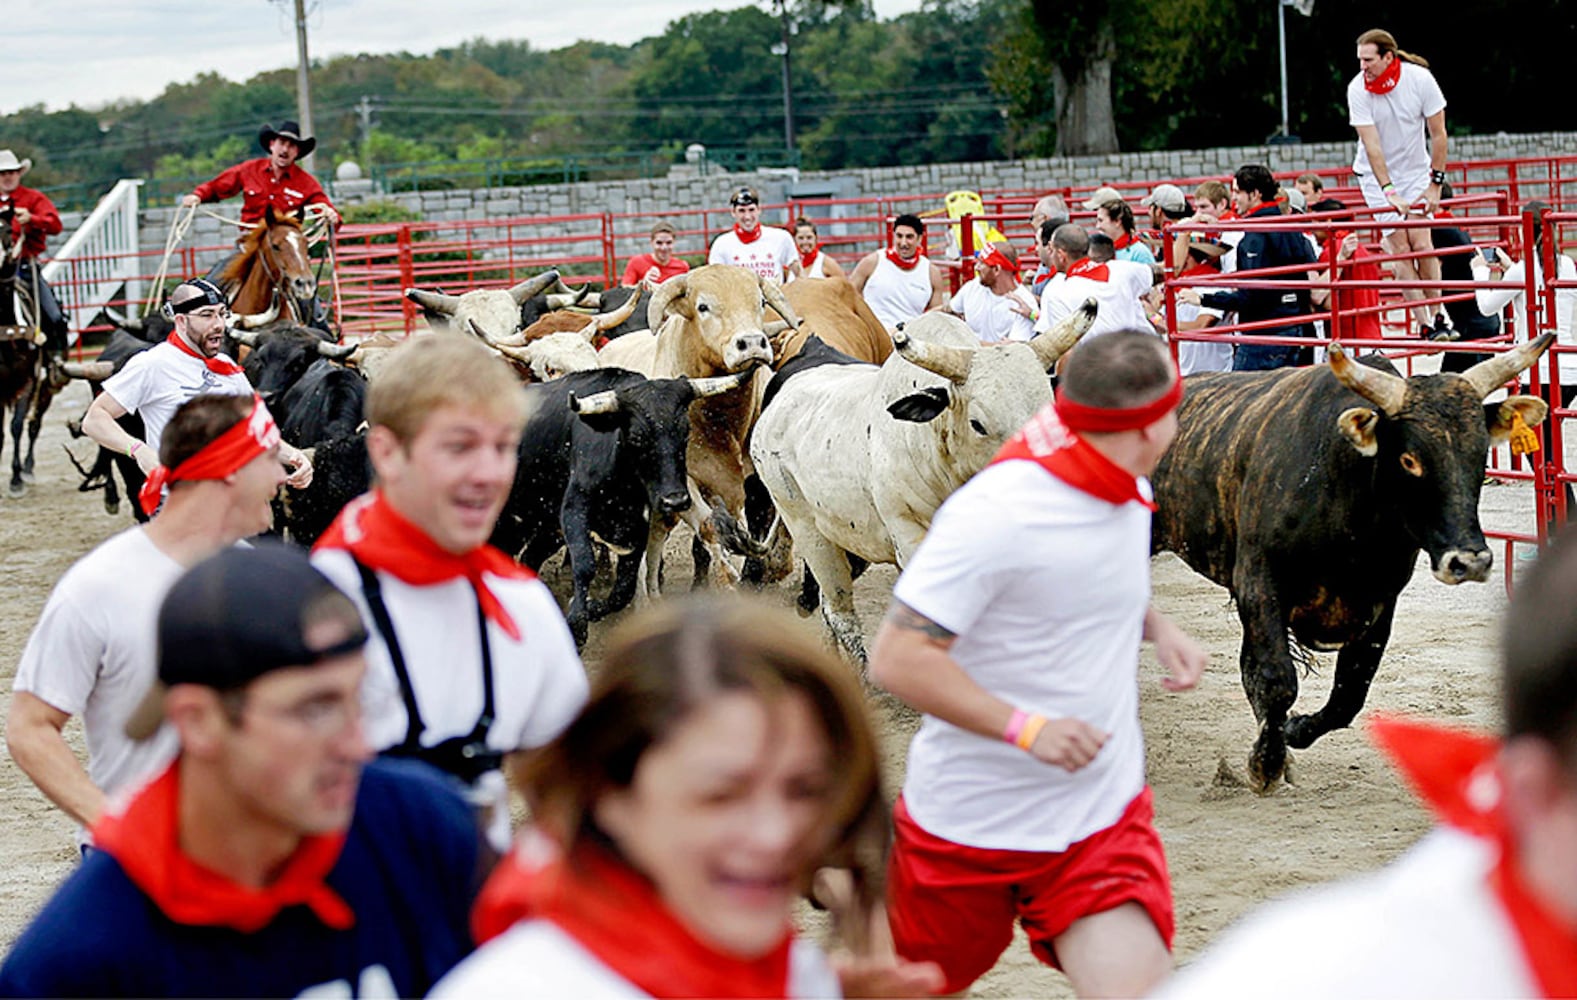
(1411, 188)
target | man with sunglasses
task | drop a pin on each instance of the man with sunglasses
(189, 362)
(271, 857)
(764, 250)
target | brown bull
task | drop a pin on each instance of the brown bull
(832, 310)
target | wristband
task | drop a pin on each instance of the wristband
(132, 451)
(1015, 725)
(1032, 728)
(1437, 177)
(1387, 186)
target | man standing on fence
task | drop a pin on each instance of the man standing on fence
(764, 250)
(33, 220)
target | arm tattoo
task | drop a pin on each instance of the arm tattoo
(903, 616)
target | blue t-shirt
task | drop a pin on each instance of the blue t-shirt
(409, 871)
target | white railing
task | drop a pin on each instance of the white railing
(99, 260)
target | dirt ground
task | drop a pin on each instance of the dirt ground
(1229, 849)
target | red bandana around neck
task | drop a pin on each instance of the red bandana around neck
(1126, 239)
(597, 899)
(1387, 80)
(807, 259)
(751, 236)
(1087, 268)
(1195, 270)
(219, 365)
(380, 538)
(1049, 443)
(225, 454)
(145, 842)
(1454, 772)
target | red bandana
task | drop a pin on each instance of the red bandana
(750, 237)
(225, 454)
(144, 841)
(996, 258)
(370, 529)
(1195, 270)
(906, 265)
(807, 259)
(1049, 443)
(1126, 239)
(1454, 773)
(219, 365)
(599, 901)
(1387, 80)
(1087, 268)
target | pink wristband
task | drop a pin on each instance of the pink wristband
(1015, 726)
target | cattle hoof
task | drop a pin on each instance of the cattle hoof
(28, 476)
(112, 507)
(17, 489)
(1300, 732)
(1265, 775)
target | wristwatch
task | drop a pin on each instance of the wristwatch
(1437, 177)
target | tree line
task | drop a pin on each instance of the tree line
(956, 80)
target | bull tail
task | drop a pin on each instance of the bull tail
(734, 537)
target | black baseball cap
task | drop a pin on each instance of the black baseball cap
(744, 196)
(238, 615)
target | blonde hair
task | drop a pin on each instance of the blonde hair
(436, 370)
(1383, 42)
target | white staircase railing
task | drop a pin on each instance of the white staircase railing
(99, 259)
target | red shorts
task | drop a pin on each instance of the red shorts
(955, 905)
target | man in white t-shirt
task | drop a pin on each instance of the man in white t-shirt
(765, 250)
(92, 652)
(470, 659)
(900, 283)
(189, 362)
(1201, 258)
(1392, 102)
(1119, 287)
(1016, 629)
(996, 305)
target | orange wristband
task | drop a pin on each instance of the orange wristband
(1032, 728)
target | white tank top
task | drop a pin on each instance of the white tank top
(895, 295)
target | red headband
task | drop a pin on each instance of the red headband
(1078, 417)
(224, 455)
(996, 258)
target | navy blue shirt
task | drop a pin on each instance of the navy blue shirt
(409, 871)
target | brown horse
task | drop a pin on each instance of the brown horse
(270, 268)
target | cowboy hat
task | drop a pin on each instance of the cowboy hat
(287, 130)
(8, 161)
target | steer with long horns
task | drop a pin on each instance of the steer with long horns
(494, 311)
(1308, 494)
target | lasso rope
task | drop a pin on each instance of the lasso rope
(178, 228)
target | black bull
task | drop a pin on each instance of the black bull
(1308, 494)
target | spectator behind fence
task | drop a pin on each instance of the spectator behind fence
(1344, 259)
(1114, 219)
(813, 260)
(1467, 322)
(1311, 187)
(658, 266)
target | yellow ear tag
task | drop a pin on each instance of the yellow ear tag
(1523, 440)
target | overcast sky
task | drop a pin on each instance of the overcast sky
(90, 52)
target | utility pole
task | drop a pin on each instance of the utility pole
(303, 82)
(364, 111)
(782, 48)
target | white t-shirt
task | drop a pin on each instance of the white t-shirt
(1510, 290)
(992, 316)
(1427, 926)
(156, 382)
(94, 652)
(1399, 118)
(817, 268)
(896, 295)
(1046, 588)
(769, 255)
(1118, 298)
(1201, 355)
(538, 682)
(535, 958)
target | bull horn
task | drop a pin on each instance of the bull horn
(437, 302)
(591, 299)
(590, 331)
(1380, 388)
(339, 352)
(244, 336)
(532, 287)
(952, 363)
(773, 293)
(256, 321)
(558, 287)
(93, 371)
(607, 321)
(558, 300)
(597, 402)
(776, 328)
(1059, 340)
(720, 384)
(520, 354)
(1487, 376)
(125, 322)
(657, 308)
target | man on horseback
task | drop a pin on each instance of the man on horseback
(33, 220)
(272, 181)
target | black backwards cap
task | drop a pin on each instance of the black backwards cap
(238, 615)
(744, 196)
(210, 295)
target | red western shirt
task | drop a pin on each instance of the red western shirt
(289, 193)
(44, 223)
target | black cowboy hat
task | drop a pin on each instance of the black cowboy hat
(287, 130)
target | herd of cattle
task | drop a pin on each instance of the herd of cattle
(786, 422)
